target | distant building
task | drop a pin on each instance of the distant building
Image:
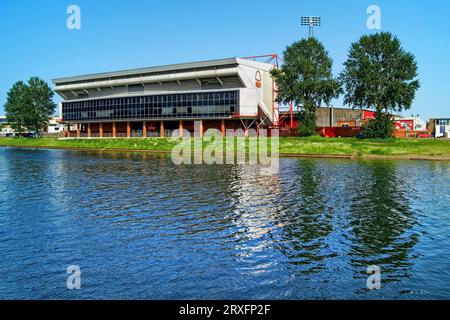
(347, 122)
(440, 127)
(342, 117)
(413, 123)
(335, 117)
(5, 128)
(347, 117)
(55, 126)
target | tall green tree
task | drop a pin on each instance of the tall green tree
(15, 107)
(306, 80)
(40, 106)
(29, 106)
(379, 74)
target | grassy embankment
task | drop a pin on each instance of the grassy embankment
(318, 146)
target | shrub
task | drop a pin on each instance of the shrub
(307, 125)
(381, 127)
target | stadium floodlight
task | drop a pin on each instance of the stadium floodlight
(311, 22)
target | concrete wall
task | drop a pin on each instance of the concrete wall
(265, 92)
(249, 102)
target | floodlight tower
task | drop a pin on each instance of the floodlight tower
(311, 22)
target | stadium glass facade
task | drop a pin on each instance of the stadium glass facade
(202, 105)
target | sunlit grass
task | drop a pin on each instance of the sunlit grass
(294, 145)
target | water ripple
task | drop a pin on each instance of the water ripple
(141, 227)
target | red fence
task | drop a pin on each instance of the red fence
(334, 132)
(411, 134)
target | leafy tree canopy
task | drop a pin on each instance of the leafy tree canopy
(15, 104)
(380, 74)
(40, 104)
(29, 106)
(306, 78)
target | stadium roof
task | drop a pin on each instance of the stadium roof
(162, 69)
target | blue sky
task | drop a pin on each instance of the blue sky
(119, 35)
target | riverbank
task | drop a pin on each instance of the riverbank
(419, 149)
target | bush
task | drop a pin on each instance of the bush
(381, 127)
(307, 123)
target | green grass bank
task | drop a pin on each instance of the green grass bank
(311, 146)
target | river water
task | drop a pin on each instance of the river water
(140, 227)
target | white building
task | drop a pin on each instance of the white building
(55, 125)
(3, 120)
(5, 129)
(413, 123)
(441, 127)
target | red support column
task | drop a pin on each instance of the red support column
(114, 129)
(89, 130)
(161, 129)
(181, 128)
(291, 111)
(223, 128)
(101, 129)
(246, 129)
(201, 128)
(128, 129)
(78, 131)
(144, 130)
